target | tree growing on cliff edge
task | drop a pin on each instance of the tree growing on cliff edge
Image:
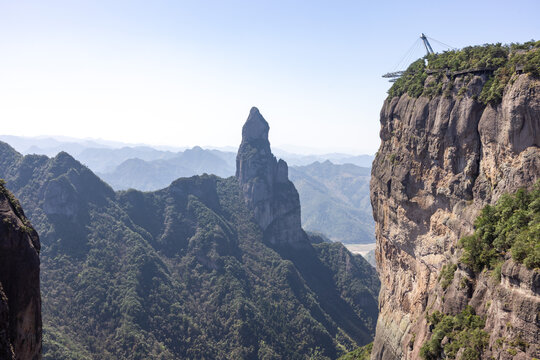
(512, 226)
(501, 61)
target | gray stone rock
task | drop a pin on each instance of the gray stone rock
(267, 190)
(20, 299)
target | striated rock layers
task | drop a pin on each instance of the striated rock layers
(266, 186)
(20, 300)
(440, 161)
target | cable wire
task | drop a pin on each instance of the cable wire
(407, 54)
(440, 42)
(413, 55)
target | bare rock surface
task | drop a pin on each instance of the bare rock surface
(20, 299)
(441, 160)
(268, 192)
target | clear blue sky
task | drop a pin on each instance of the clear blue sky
(187, 72)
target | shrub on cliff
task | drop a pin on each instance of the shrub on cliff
(412, 81)
(503, 60)
(447, 275)
(462, 331)
(527, 55)
(361, 353)
(470, 57)
(511, 226)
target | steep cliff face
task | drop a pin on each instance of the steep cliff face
(20, 300)
(265, 183)
(441, 160)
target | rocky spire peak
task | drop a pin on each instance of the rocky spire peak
(256, 127)
(266, 186)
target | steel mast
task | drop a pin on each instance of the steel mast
(427, 44)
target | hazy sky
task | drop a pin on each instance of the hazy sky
(186, 73)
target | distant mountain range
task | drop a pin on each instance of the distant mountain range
(103, 156)
(148, 175)
(336, 158)
(333, 188)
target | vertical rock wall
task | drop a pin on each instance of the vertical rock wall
(20, 299)
(440, 161)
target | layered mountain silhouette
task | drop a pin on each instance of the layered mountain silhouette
(334, 193)
(207, 267)
(146, 175)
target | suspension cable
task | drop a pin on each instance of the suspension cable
(407, 55)
(443, 44)
(414, 55)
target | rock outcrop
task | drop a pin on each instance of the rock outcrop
(20, 299)
(441, 160)
(265, 183)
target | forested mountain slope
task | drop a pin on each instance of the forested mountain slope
(335, 200)
(183, 272)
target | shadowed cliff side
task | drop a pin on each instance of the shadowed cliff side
(20, 300)
(443, 157)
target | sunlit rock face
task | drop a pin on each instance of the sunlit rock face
(441, 160)
(265, 183)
